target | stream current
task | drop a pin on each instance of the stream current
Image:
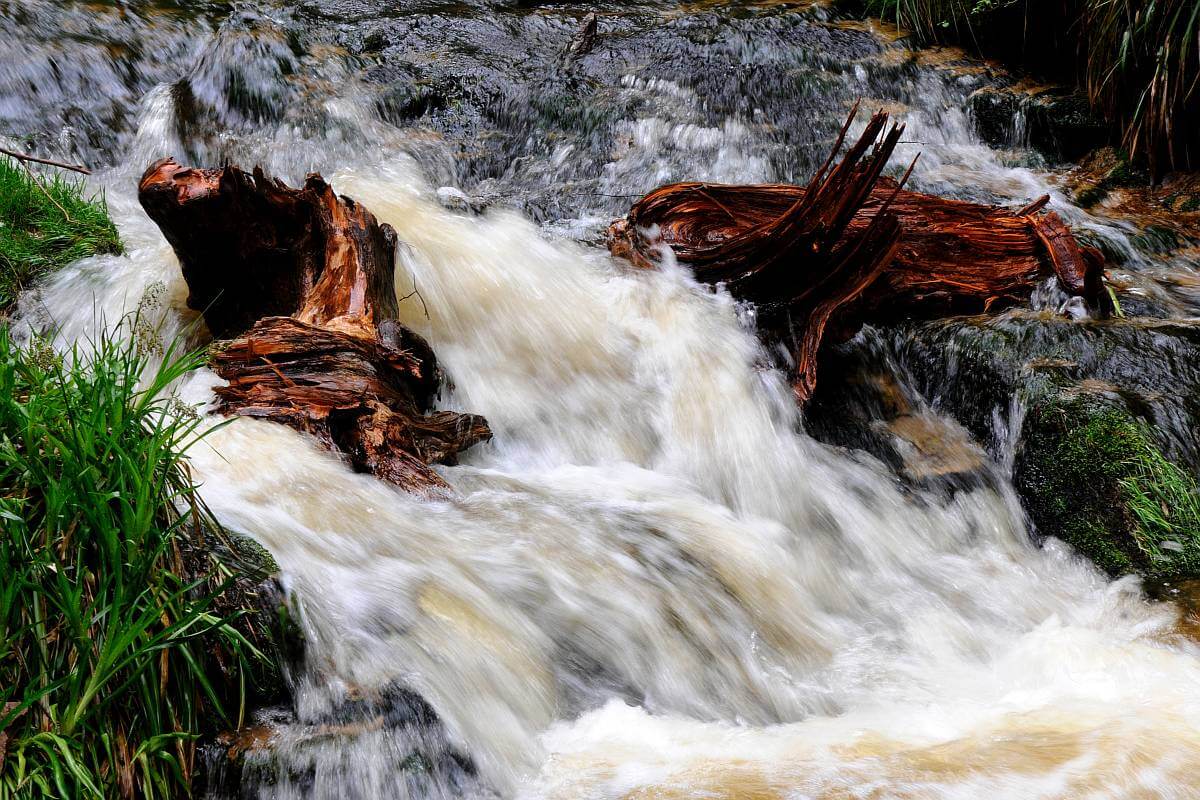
(651, 583)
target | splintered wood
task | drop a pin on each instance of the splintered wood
(299, 285)
(854, 246)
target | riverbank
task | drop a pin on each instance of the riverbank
(1135, 63)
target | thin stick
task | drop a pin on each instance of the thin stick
(417, 292)
(36, 181)
(26, 157)
(1035, 206)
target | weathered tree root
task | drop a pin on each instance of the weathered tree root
(299, 282)
(853, 246)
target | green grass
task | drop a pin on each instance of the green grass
(1137, 60)
(1095, 477)
(934, 20)
(107, 632)
(1165, 504)
(46, 222)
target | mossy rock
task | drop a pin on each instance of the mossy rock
(1104, 170)
(971, 368)
(253, 601)
(1107, 441)
(1092, 474)
(247, 556)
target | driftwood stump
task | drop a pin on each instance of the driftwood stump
(298, 285)
(852, 247)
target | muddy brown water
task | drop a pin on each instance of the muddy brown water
(653, 583)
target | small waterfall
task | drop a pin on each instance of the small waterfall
(652, 583)
(651, 579)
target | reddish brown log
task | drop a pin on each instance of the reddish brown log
(954, 256)
(801, 261)
(302, 280)
(795, 249)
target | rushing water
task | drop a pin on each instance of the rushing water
(652, 583)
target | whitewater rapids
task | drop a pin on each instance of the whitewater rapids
(652, 584)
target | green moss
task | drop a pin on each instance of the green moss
(1158, 239)
(247, 557)
(1093, 476)
(45, 224)
(1090, 196)
(1124, 174)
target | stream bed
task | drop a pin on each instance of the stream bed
(660, 580)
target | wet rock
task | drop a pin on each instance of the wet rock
(1090, 473)
(569, 116)
(73, 73)
(584, 39)
(1056, 123)
(973, 368)
(1097, 417)
(240, 81)
(994, 113)
(570, 113)
(300, 754)
(81, 78)
(284, 745)
(254, 603)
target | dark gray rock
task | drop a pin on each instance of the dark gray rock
(1058, 124)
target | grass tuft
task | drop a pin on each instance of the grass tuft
(106, 634)
(1165, 505)
(46, 222)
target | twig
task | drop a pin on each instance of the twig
(417, 292)
(33, 178)
(286, 380)
(26, 157)
(1035, 206)
(716, 202)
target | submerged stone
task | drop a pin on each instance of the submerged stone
(861, 404)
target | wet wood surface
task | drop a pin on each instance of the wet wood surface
(297, 286)
(854, 246)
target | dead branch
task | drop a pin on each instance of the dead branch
(299, 285)
(25, 157)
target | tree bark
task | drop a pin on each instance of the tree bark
(298, 284)
(853, 246)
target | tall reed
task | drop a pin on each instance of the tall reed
(105, 633)
(1142, 68)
